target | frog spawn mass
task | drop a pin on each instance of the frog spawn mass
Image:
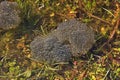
(9, 15)
(71, 38)
(78, 34)
(49, 49)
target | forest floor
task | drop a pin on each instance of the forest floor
(40, 17)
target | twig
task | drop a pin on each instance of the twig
(91, 15)
(117, 17)
(2, 76)
(112, 34)
(106, 74)
(62, 15)
(114, 30)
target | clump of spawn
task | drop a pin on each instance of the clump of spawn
(79, 36)
(71, 38)
(9, 15)
(50, 50)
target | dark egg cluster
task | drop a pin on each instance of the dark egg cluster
(71, 38)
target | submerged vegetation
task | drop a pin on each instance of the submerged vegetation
(39, 17)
